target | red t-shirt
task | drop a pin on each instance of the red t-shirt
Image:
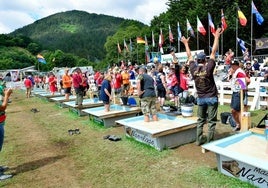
(118, 81)
(27, 83)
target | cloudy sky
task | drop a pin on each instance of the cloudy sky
(15, 14)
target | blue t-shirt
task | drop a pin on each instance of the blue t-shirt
(105, 85)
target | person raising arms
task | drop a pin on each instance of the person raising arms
(207, 93)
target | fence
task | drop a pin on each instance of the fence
(257, 93)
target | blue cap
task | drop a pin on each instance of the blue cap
(201, 56)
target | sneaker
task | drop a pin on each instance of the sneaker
(71, 132)
(3, 168)
(5, 176)
(77, 131)
(236, 128)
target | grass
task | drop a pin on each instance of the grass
(35, 142)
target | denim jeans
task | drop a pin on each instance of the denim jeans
(207, 112)
(2, 134)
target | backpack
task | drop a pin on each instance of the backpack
(261, 124)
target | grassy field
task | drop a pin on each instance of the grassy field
(41, 153)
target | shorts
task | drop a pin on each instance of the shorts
(125, 87)
(148, 105)
(106, 102)
(161, 92)
(176, 90)
(67, 90)
(235, 101)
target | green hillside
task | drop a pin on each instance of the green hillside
(76, 32)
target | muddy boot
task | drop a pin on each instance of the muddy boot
(200, 138)
(210, 136)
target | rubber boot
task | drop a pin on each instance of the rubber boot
(200, 138)
(210, 136)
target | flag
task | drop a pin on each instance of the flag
(241, 17)
(147, 55)
(200, 27)
(161, 41)
(170, 35)
(261, 43)
(223, 21)
(211, 24)
(146, 43)
(125, 46)
(119, 48)
(189, 28)
(41, 59)
(259, 17)
(242, 44)
(153, 42)
(140, 40)
(179, 32)
(130, 45)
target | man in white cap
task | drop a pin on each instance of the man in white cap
(207, 92)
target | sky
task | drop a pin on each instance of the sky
(15, 14)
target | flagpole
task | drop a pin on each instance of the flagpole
(197, 42)
(222, 44)
(251, 32)
(208, 37)
(236, 33)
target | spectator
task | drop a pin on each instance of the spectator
(126, 82)
(78, 88)
(67, 84)
(207, 100)
(106, 92)
(161, 85)
(3, 105)
(146, 92)
(28, 85)
(256, 65)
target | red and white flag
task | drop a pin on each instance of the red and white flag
(211, 24)
(200, 27)
(161, 41)
(170, 35)
(223, 21)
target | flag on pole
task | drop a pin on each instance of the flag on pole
(147, 56)
(189, 28)
(241, 17)
(179, 32)
(170, 35)
(125, 45)
(119, 48)
(161, 41)
(41, 59)
(223, 21)
(130, 45)
(242, 45)
(140, 40)
(146, 43)
(211, 24)
(200, 27)
(153, 42)
(259, 17)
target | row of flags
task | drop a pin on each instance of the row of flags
(200, 28)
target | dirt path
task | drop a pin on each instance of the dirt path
(39, 162)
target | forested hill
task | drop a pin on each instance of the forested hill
(76, 32)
